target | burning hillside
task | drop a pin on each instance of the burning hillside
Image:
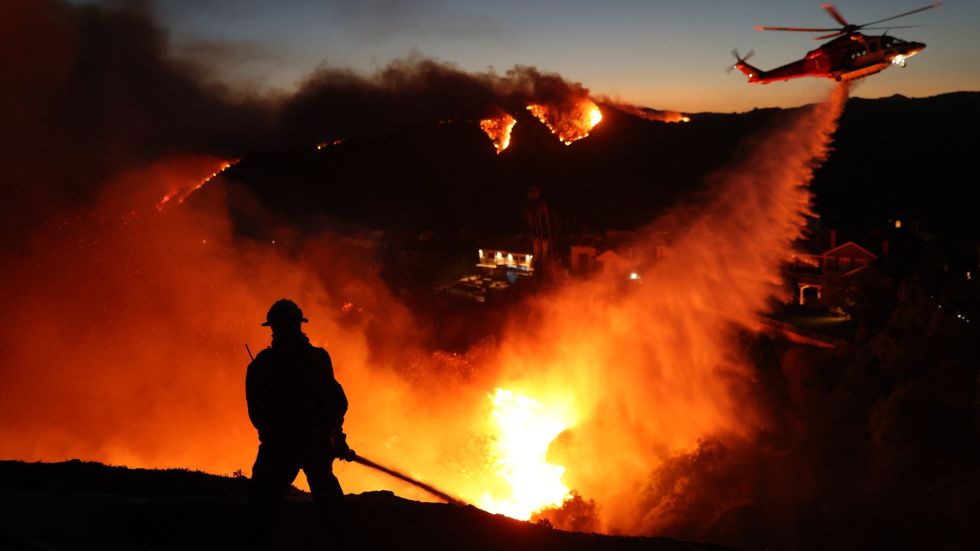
(626, 405)
(649, 114)
(571, 122)
(498, 129)
(523, 449)
(180, 195)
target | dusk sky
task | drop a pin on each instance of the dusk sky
(663, 54)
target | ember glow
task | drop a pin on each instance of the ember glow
(324, 145)
(571, 121)
(655, 115)
(498, 130)
(523, 430)
(180, 195)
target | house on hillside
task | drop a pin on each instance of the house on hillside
(583, 255)
(615, 251)
(849, 263)
(505, 264)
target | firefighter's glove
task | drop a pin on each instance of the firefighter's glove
(341, 449)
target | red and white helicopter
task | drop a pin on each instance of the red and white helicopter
(850, 55)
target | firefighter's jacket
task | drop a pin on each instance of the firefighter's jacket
(293, 397)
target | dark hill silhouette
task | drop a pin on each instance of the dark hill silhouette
(905, 158)
(83, 505)
(894, 157)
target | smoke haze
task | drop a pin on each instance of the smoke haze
(125, 327)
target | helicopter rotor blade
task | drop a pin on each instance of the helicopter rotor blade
(892, 27)
(835, 14)
(801, 29)
(848, 28)
(831, 35)
(929, 7)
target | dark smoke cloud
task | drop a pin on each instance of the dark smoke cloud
(97, 90)
(91, 92)
(411, 92)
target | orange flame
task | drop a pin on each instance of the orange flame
(524, 428)
(646, 113)
(324, 145)
(570, 123)
(180, 195)
(498, 130)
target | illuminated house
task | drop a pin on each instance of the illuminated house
(506, 263)
(810, 272)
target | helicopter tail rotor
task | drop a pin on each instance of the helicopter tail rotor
(739, 59)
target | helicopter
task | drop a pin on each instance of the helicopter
(850, 55)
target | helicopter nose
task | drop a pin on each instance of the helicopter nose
(911, 48)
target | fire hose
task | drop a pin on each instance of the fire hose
(405, 478)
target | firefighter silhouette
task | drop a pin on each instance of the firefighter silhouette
(298, 408)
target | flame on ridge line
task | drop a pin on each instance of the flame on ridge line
(569, 122)
(180, 195)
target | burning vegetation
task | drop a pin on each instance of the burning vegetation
(646, 113)
(571, 121)
(523, 431)
(180, 195)
(498, 130)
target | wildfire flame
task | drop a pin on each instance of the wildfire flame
(569, 124)
(180, 195)
(324, 145)
(498, 130)
(646, 113)
(524, 430)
